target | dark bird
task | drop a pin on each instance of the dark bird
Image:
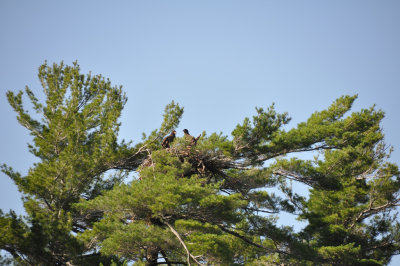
(168, 139)
(192, 140)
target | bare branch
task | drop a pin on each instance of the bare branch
(189, 255)
(294, 176)
(367, 174)
(260, 210)
(248, 241)
(371, 210)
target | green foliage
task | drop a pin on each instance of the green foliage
(216, 202)
(172, 115)
(75, 141)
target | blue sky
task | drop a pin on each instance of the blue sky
(218, 59)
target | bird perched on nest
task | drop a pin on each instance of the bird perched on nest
(168, 139)
(189, 138)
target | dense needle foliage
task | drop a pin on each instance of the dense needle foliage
(215, 202)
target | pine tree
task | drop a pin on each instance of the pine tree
(214, 202)
(75, 139)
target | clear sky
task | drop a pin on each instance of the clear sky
(218, 59)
